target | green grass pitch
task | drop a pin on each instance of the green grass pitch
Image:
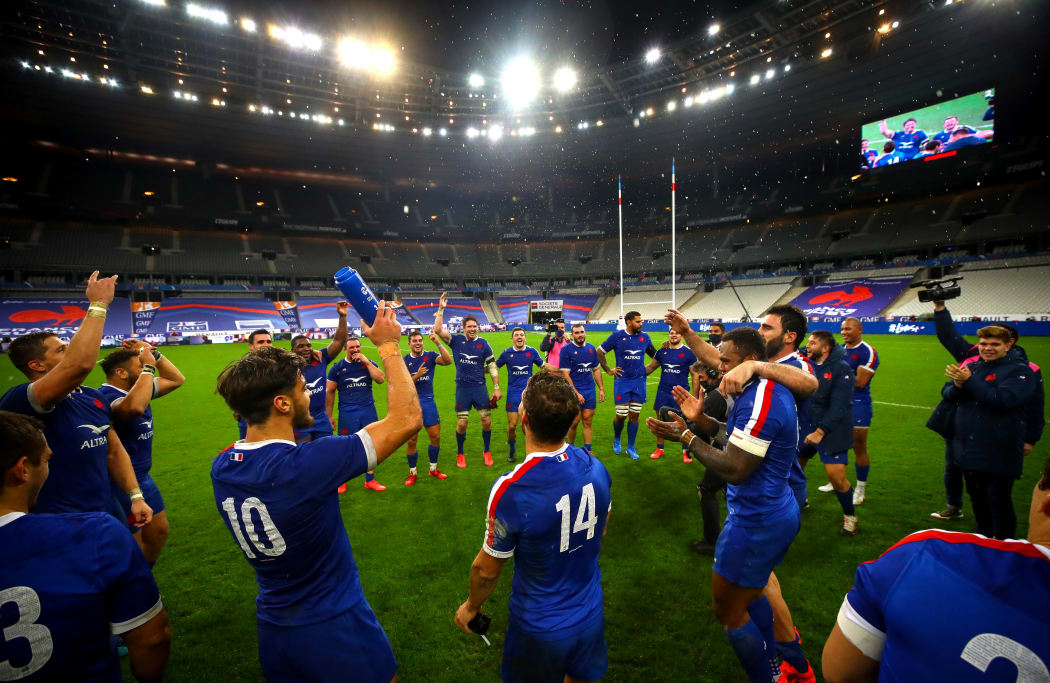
(414, 545)
(969, 109)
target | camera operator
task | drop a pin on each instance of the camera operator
(966, 352)
(988, 427)
(553, 341)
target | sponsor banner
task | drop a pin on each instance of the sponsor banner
(142, 315)
(188, 316)
(547, 305)
(59, 316)
(926, 327)
(858, 298)
(290, 312)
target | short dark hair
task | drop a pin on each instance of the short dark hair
(298, 337)
(551, 404)
(28, 347)
(910, 119)
(951, 116)
(414, 333)
(747, 341)
(20, 436)
(251, 337)
(931, 145)
(826, 338)
(117, 359)
(631, 315)
(1014, 334)
(792, 319)
(248, 385)
(468, 318)
(517, 329)
(720, 326)
(575, 325)
(995, 332)
(889, 147)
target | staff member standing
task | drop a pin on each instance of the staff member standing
(552, 343)
(989, 426)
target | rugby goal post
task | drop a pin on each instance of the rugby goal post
(674, 273)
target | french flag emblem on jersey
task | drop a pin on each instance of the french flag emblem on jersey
(237, 456)
(561, 457)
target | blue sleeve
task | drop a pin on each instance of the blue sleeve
(17, 400)
(489, 356)
(610, 342)
(456, 339)
(753, 430)
(989, 114)
(333, 374)
(537, 358)
(1036, 418)
(432, 357)
(502, 522)
(949, 337)
(132, 597)
(502, 360)
(1011, 392)
(924, 137)
(952, 393)
(374, 364)
(326, 463)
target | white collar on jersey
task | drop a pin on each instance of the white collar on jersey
(249, 445)
(548, 454)
(123, 391)
(10, 517)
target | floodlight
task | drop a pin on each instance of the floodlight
(564, 79)
(476, 80)
(826, 53)
(382, 60)
(216, 16)
(472, 132)
(652, 56)
(770, 73)
(672, 105)
(155, 3)
(755, 78)
(353, 53)
(146, 90)
(442, 132)
(495, 133)
(689, 101)
(730, 88)
(521, 82)
(427, 132)
(248, 25)
(713, 29)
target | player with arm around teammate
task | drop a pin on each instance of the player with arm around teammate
(630, 346)
(473, 357)
(578, 363)
(674, 362)
(352, 379)
(519, 360)
(549, 513)
(135, 375)
(67, 581)
(277, 499)
(315, 372)
(945, 606)
(421, 364)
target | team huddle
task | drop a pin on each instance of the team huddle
(748, 405)
(911, 142)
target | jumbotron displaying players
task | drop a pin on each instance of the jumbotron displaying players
(520, 360)
(472, 356)
(579, 364)
(316, 370)
(631, 346)
(674, 362)
(422, 365)
(352, 380)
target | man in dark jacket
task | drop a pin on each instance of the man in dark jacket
(991, 397)
(552, 342)
(832, 414)
(966, 352)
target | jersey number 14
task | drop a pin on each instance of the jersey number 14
(586, 519)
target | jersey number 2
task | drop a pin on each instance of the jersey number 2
(586, 519)
(38, 636)
(273, 537)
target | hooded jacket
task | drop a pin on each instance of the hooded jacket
(832, 405)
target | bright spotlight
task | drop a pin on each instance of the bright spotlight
(652, 56)
(689, 101)
(648, 111)
(216, 16)
(248, 25)
(885, 28)
(521, 82)
(353, 53)
(382, 60)
(564, 79)
(495, 133)
(146, 90)
(295, 38)
(787, 67)
(672, 105)
(476, 80)
(730, 88)
(427, 132)
(155, 3)
(826, 53)
(472, 132)
(713, 29)
(442, 132)
(755, 79)
(770, 73)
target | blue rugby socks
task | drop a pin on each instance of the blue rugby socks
(413, 458)
(460, 440)
(793, 655)
(632, 434)
(846, 501)
(750, 649)
(432, 453)
(512, 445)
(617, 428)
(862, 473)
(486, 438)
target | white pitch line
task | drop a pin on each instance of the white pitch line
(902, 405)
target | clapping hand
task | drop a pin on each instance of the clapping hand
(958, 374)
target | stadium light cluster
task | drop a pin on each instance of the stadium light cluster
(359, 55)
(296, 38)
(215, 16)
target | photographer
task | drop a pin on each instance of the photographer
(553, 341)
(964, 352)
(990, 397)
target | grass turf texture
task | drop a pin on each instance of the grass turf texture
(969, 109)
(414, 546)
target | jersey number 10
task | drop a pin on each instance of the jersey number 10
(273, 537)
(586, 519)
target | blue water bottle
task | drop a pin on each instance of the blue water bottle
(358, 293)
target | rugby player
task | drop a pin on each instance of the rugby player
(674, 362)
(352, 379)
(579, 364)
(422, 365)
(864, 361)
(259, 339)
(906, 142)
(630, 345)
(315, 371)
(519, 360)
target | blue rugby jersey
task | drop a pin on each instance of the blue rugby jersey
(580, 361)
(674, 367)
(519, 366)
(862, 355)
(630, 352)
(354, 383)
(425, 384)
(135, 434)
(470, 358)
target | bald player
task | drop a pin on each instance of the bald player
(862, 357)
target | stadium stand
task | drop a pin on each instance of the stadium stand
(994, 292)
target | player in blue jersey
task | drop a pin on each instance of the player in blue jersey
(763, 519)
(674, 362)
(578, 363)
(315, 372)
(907, 142)
(473, 357)
(520, 360)
(867, 155)
(351, 379)
(277, 498)
(630, 346)
(864, 361)
(68, 581)
(963, 137)
(135, 375)
(259, 339)
(944, 606)
(549, 513)
(87, 454)
(422, 365)
(889, 156)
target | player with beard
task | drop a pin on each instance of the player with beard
(578, 363)
(135, 375)
(472, 356)
(519, 360)
(422, 365)
(315, 370)
(352, 379)
(631, 346)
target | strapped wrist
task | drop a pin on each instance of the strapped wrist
(389, 349)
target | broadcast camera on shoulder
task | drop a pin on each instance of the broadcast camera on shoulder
(938, 290)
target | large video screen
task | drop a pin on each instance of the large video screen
(951, 125)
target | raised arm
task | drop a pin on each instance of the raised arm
(134, 404)
(122, 474)
(82, 353)
(445, 358)
(705, 353)
(439, 323)
(949, 337)
(885, 130)
(404, 417)
(339, 340)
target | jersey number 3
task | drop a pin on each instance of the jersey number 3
(39, 637)
(275, 544)
(586, 519)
